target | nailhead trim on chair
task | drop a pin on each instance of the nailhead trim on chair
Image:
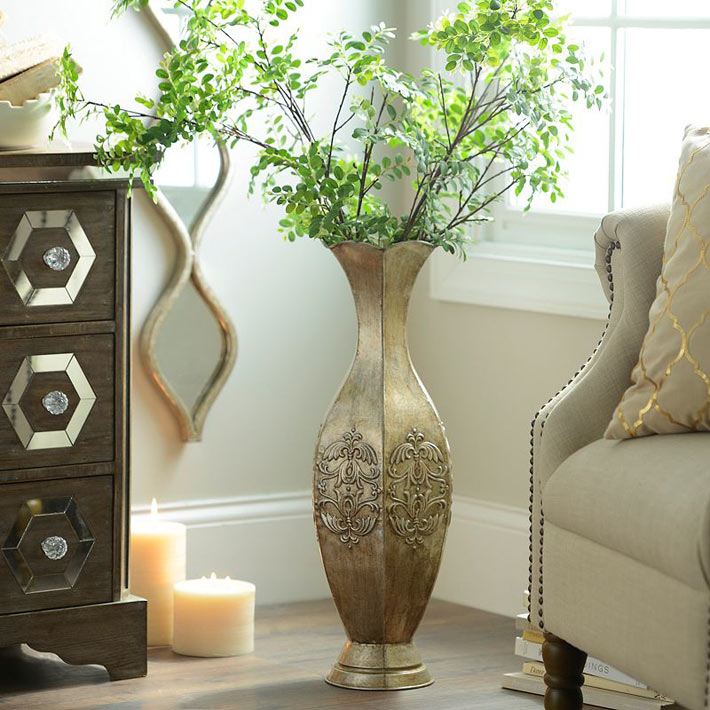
(541, 623)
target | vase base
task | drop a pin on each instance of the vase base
(379, 666)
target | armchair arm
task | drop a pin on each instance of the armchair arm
(629, 258)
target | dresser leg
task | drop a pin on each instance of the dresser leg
(123, 670)
(564, 665)
(122, 662)
(112, 635)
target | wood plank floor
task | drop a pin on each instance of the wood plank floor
(466, 651)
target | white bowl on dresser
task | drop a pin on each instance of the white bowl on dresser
(26, 126)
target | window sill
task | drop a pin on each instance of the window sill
(513, 276)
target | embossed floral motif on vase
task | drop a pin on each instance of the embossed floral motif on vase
(418, 489)
(349, 484)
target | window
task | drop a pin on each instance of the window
(194, 165)
(655, 63)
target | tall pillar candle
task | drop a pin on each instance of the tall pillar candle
(214, 617)
(158, 552)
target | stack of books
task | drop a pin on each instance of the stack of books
(604, 685)
(28, 68)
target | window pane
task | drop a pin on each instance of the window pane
(665, 91)
(178, 167)
(663, 8)
(586, 185)
(583, 8)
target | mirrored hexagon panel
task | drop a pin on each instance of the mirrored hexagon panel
(58, 257)
(48, 545)
(56, 397)
(56, 543)
(54, 401)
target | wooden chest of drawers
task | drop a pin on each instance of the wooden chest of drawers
(64, 425)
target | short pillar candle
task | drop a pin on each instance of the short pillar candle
(213, 617)
(158, 553)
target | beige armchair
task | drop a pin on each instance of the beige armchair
(620, 530)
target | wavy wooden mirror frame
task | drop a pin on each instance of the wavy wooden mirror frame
(191, 421)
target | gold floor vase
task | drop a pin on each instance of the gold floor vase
(382, 480)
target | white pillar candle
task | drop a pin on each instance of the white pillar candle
(157, 561)
(214, 617)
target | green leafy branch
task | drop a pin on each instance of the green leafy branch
(495, 118)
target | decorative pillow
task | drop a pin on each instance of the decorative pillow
(671, 383)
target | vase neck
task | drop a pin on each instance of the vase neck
(381, 281)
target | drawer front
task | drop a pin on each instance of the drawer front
(57, 401)
(57, 543)
(58, 256)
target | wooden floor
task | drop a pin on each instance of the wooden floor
(466, 651)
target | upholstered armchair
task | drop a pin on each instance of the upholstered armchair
(620, 530)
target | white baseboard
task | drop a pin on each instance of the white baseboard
(270, 540)
(485, 562)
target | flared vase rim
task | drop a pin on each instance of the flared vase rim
(392, 247)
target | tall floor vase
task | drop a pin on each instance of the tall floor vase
(382, 480)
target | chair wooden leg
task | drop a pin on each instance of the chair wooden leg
(564, 666)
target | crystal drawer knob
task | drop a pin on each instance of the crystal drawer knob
(54, 547)
(55, 402)
(57, 258)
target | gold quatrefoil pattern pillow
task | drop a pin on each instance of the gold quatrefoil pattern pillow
(670, 393)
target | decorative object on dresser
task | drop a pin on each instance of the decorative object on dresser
(28, 72)
(26, 125)
(64, 428)
(382, 480)
(31, 52)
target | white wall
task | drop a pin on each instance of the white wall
(244, 489)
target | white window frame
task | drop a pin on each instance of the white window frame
(547, 279)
